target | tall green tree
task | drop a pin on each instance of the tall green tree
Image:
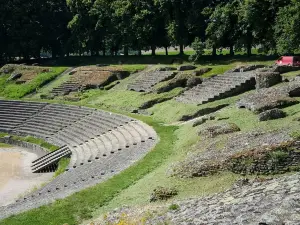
(287, 30)
(222, 29)
(176, 12)
(256, 22)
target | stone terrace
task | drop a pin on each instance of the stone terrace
(218, 87)
(269, 98)
(147, 80)
(102, 144)
(88, 77)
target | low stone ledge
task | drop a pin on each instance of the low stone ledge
(271, 114)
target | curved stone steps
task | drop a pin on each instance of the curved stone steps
(102, 144)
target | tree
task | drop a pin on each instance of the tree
(176, 13)
(287, 31)
(256, 22)
(54, 19)
(222, 29)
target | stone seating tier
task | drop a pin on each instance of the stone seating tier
(220, 86)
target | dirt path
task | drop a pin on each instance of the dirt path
(16, 178)
(9, 166)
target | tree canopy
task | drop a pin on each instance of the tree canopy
(62, 27)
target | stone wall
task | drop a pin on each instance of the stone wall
(40, 151)
(268, 160)
(286, 69)
(267, 79)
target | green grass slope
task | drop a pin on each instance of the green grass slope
(133, 186)
(12, 90)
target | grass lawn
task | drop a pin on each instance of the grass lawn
(291, 74)
(3, 145)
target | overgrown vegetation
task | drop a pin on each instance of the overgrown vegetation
(62, 165)
(12, 90)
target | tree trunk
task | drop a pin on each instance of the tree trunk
(231, 50)
(166, 48)
(125, 50)
(181, 51)
(139, 52)
(249, 47)
(53, 52)
(104, 52)
(214, 51)
(153, 48)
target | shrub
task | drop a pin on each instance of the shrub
(199, 48)
(162, 193)
(174, 207)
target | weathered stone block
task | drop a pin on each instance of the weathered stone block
(14, 76)
(166, 69)
(186, 67)
(202, 71)
(193, 81)
(162, 193)
(267, 79)
(271, 115)
(215, 130)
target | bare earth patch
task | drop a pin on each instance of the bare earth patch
(16, 178)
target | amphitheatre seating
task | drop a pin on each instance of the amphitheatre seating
(14, 113)
(147, 80)
(218, 87)
(100, 144)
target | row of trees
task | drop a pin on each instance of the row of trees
(29, 27)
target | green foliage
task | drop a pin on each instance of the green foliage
(198, 47)
(174, 207)
(62, 165)
(278, 156)
(295, 135)
(37, 141)
(287, 28)
(13, 90)
(3, 145)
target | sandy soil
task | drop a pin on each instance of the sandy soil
(16, 178)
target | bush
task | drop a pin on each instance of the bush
(199, 48)
(174, 207)
(162, 193)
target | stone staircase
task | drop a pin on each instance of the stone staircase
(49, 162)
(66, 88)
(147, 80)
(218, 87)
